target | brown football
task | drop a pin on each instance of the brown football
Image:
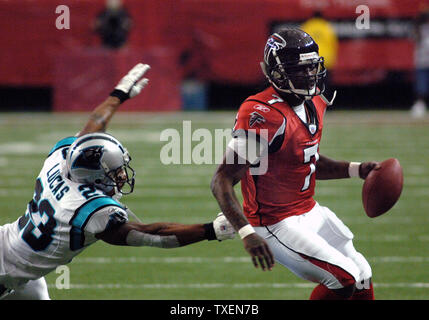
(382, 188)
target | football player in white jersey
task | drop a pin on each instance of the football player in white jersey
(76, 203)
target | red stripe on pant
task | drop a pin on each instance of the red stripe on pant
(345, 278)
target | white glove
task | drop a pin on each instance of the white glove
(132, 84)
(223, 228)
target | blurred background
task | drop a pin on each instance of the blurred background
(205, 58)
(204, 53)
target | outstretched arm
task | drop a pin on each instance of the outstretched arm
(167, 234)
(327, 168)
(128, 87)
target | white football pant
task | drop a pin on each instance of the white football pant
(318, 247)
(32, 290)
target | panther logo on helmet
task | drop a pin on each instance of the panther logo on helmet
(89, 158)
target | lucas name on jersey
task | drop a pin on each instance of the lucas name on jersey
(57, 185)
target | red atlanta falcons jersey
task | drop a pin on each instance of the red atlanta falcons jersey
(287, 186)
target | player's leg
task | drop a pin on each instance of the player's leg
(364, 287)
(310, 257)
(32, 290)
(340, 237)
(4, 290)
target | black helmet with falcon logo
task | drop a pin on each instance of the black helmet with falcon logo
(292, 63)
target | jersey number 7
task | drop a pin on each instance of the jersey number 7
(309, 153)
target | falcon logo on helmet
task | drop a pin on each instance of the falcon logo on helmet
(292, 63)
(275, 42)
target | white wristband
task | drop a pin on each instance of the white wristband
(354, 169)
(245, 231)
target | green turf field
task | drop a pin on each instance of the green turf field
(396, 244)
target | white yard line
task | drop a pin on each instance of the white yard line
(24, 147)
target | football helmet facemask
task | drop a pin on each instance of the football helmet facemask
(99, 159)
(292, 63)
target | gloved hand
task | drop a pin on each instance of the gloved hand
(132, 84)
(223, 228)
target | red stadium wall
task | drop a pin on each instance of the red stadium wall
(223, 40)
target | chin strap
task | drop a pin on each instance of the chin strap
(297, 95)
(329, 100)
(118, 195)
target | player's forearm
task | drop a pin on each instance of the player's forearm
(100, 117)
(128, 87)
(170, 232)
(166, 234)
(327, 168)
(161, 234)
(223, 190)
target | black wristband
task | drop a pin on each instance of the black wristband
(209, 231)
(121, 95)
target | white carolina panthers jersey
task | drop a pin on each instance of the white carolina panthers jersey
(61, 220)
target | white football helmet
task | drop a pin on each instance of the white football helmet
(99, 159)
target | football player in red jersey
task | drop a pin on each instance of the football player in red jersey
(280, 220)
